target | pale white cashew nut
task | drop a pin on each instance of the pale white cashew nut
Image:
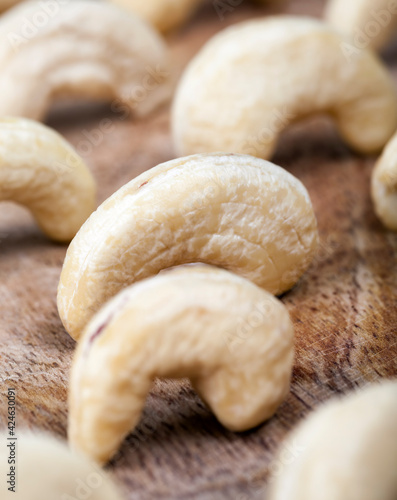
(41, 171)
(231, 338)
(282, 69)
(384, 186)
(166, 15)
(370, 23)
(237, 212)
(347, 450)
(85, 49)
(45, 469)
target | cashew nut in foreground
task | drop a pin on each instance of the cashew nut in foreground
(384, 186)
(166, 15)
(237, 212)
(231, 338)
(370, 23)
(40, 170)
(345, 451)
(114, 56)
(45, 469)
(283, 69)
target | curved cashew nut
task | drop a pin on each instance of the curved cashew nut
(384, 186)
(166, 15)
(283, 69)
(119, 57)
(231, 338)
(46, 469)
(40, 170)
(370, 23)
(236, 212)
(347, 450)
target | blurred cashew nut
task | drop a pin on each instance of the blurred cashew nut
(236, 212)
(370, 23)
(45, 469)
(40, 170)
(166, 15)
(384, 186)
(283, 69)
(177, 324)
(347, 450)
(83, 49)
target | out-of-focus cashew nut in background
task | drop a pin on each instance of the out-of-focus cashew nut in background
(283, 69)
(40, 170)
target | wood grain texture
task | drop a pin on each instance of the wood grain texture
(344, 309)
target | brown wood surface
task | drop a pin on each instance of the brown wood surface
(344, 308)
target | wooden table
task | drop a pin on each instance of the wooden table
(344, 308)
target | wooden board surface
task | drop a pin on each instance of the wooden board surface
(344, 308)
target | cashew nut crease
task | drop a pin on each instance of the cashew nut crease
(231, 338)
(47, 470)
(347, 450)
(40, 170)
(384, 186)
(114, 56)
(283, 69)
(166, 15)
(370, 23)
(236, 212)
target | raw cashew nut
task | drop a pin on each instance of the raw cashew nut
(282, 69)
(384, 186)
(345, 451)
(85, 49)
(231, 338)
(40, 170)
(166, 15)
(370, 23)
(236, 212)
(46, 470)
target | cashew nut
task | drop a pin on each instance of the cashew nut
(384, 186)
(40, 170)
(180, 324)
(345, 451)
(370, 23)
(114, 56)
(236, 212)
(46, 470)
(283, 69)
(166, 15)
